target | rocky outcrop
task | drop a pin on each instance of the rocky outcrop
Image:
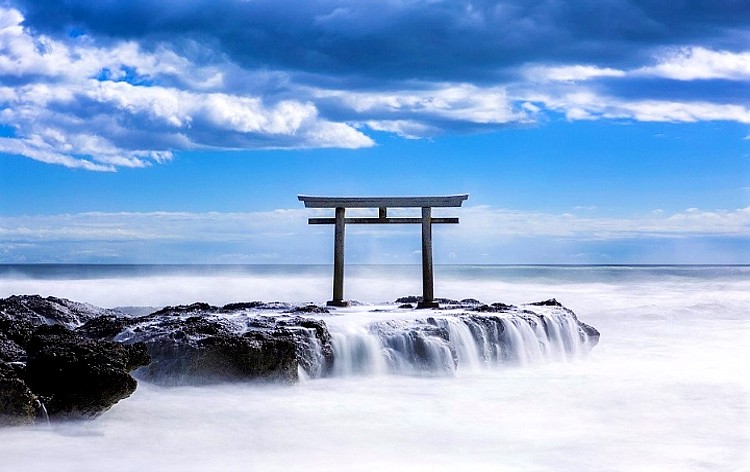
(191, 344)
(200, 343)
(79, 377)
(74, 360)
(47, 368)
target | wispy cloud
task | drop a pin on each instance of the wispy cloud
(485, 234)
(489, 222)
(476, 222)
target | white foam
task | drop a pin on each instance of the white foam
(665, 389)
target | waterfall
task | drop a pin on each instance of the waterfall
(42, 415)
(443, 344)
(357, 352)
(310, 355)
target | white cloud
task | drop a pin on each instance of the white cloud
(572, 73)
(588, 105)
(101, 106)
(64, 113)
(698, 63)
(409, 129)
(460, 102)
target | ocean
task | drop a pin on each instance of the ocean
(666, 389)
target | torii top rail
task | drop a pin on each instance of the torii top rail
(382, 204)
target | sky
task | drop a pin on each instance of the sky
(586, 132)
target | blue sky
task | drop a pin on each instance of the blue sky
(611, 131)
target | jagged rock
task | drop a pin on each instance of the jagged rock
(310, 309)
(105, 327)
(494, 308)
(18, 405)
(38, 311)
(42, 360)
(198, 307)
(79, 377)
(257, 305)
(200, 343)
(550, 302)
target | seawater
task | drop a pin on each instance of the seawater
(667, 388)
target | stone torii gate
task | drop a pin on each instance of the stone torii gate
(382, 204)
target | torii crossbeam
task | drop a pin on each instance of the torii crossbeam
(382, 204)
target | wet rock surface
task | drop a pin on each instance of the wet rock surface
(77, 377)
(47, 368)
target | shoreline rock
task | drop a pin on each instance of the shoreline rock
(76, 360)
(48, 369)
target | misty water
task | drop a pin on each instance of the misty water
(666, 388)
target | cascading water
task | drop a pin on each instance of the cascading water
(442, 344)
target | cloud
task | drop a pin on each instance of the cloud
(287, 224)
(698, 63)
(100, 108)
(589, 105)
(487, 234)
(485, 222)
(571, 73)
(81, 86)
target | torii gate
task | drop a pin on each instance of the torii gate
(382, 204)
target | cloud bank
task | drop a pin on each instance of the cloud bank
(103, 85)
(274, 237)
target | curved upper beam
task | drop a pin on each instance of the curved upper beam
(383, 202)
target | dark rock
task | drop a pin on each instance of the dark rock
(592, 333)
(406, 306)
(79, 377)
(105, 327)
(39, 311)
(494, 308)
(256, 305)
(198, 307)
(10, 350)
(220, 359)
(417, 299)
(42, 360)
(550, 302)
(209, 347)
(18, 405)
(310, 309)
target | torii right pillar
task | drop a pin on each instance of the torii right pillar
(428, 290)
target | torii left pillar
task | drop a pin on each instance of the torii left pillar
(338, 259)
